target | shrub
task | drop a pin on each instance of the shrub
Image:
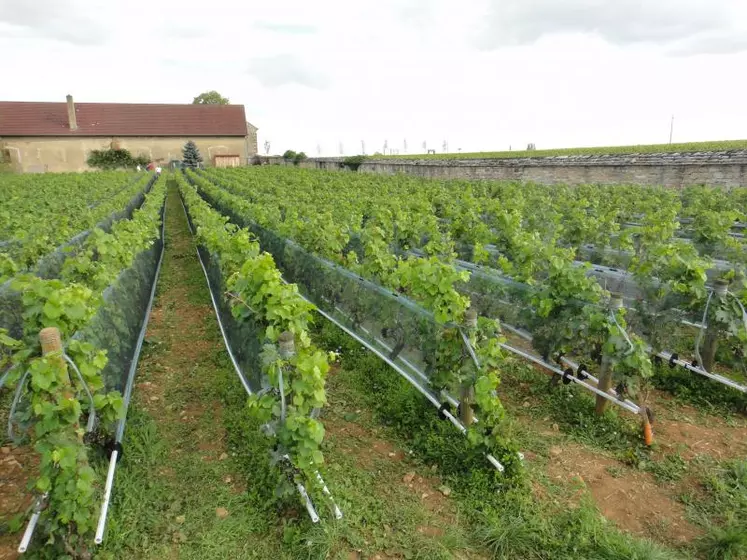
(115, 159)
(353, 162)
(296, 158)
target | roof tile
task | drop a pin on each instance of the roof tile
(21, 118)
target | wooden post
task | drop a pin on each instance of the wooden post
(287, 345)
(711, 337)
(51, 342)
(466, 398)
(605, 382)
(605, 372)
(467, 394)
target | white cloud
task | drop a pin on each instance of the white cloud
(622, 22)
(711, 43)
(292, 28)
(63, 20)
(285, 69)
(392, 70)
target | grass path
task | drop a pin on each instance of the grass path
(177, 493)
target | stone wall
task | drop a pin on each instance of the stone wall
(726, 169)
(40, 154)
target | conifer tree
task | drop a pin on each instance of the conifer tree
(192, 157)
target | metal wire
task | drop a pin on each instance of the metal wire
(427, 394)
(16, 399)
(31, 527)
(739, 303)
(471, 350)
(622, 330)
(567, 361)
(92, 407)
(701, 331)
(282, 394)
(624, 404)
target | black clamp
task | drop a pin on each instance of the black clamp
(445, 406)
(650, 415)
(621, 390)
(672, 359)
(110, 446)
(582, 373)
(567, 375)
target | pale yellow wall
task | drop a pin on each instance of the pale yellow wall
(69, 154)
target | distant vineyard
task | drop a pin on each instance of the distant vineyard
(721, 145)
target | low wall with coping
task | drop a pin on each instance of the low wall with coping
(723, 169)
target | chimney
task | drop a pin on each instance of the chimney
(71, 113)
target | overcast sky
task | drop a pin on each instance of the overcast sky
(480, 74)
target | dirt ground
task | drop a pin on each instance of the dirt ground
(17, 465)
(631, 499)
(683, 429)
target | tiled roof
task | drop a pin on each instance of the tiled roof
(21, 118)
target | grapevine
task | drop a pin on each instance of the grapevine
(259, 296)
(58, 400)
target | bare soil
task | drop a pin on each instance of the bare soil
(691, 432)
(631, 499)
(17, 467)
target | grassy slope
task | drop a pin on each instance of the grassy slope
(651, 148)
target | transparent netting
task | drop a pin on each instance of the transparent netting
(49, 266)
(658, 317)
(117, 324)
(244, 337)
(380, 317)
(118, 321)
(391, 324)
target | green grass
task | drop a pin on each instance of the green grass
(572, 409)
(699, 391)
(719, 506)
(507, 518)
(167, 487)
(670, 469)
(640, 149)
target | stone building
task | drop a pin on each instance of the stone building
(38, 137)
